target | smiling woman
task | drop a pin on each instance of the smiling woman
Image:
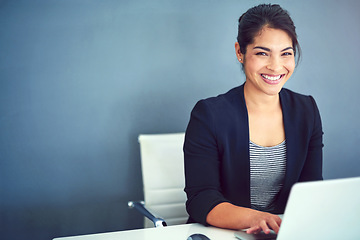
(245, 149)
(268, 62)
(272, 16)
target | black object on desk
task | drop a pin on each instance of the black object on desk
(198, 236)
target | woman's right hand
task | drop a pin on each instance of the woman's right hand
(262, 221)
(227, 215)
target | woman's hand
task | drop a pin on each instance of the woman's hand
(262, 221)
(227, 215)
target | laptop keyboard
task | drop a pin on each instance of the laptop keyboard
(259, 236)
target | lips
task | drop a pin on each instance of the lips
(272, 79)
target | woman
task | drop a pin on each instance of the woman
(246, 148)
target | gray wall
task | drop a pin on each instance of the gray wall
(80, 79)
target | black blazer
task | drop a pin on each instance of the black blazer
(216, 150)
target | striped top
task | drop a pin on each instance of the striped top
(267, 174)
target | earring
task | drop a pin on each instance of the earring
(240, 59)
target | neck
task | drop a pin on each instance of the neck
(260, 100)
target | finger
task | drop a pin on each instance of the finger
(277, 219)
(253, 230)
(274, 226)
(265, 227)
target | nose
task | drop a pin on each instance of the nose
(274, 64)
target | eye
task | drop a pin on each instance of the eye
(287, 54)
(261, 54)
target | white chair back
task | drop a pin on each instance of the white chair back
(162, 162)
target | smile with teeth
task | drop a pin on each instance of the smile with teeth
(273, 77)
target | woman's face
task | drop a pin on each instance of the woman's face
(269, 61)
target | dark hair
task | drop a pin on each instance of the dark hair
(270, 15)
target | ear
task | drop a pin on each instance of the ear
(239, 55)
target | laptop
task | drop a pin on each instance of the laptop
(328, 209)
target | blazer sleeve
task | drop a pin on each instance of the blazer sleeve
(201, 155)
(312, 169)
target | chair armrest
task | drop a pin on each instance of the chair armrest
(139, 205)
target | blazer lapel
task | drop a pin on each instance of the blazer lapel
(291, 174)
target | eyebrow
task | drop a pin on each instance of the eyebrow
(268, 49)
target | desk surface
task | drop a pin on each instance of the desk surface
(179, 232)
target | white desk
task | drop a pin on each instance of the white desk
(179, 232)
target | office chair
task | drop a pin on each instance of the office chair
(162, 162)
